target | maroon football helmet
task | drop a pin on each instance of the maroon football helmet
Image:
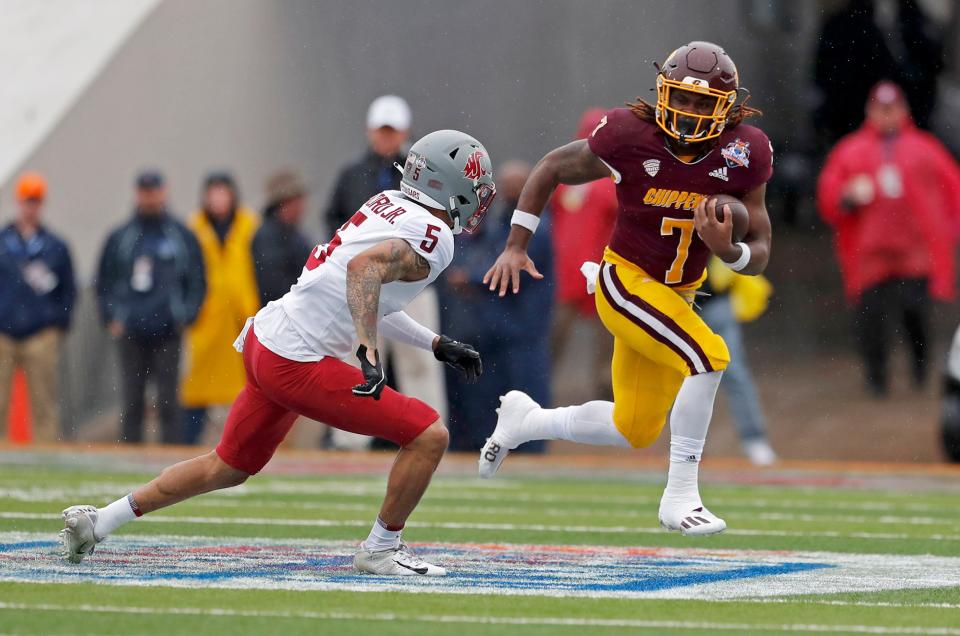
(704, 69)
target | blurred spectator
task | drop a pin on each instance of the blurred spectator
(728, 300)
(215, 373)
(388, 127)
(150, 285)
(511, 333)
(854, 53)
(37, 291)
(279, 248)
(921, 62)
(892, 194)
(950, 416)
(582, 220)
(413, 371)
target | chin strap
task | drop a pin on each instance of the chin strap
(454, 213)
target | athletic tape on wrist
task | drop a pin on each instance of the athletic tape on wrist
(744, 259)
(525, 220)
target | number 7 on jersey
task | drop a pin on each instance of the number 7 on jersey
(668, 228)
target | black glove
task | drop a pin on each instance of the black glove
(462, 357)
(372, 373)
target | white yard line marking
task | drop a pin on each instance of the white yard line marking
(427, 507)
(529, 527)
(221, 501)
(788, 601)
(441, 492)
(485, 620)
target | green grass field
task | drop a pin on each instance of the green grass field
(542, 550)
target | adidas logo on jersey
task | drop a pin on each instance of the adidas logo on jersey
(719, 173)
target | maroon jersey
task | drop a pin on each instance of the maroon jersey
(657, 192)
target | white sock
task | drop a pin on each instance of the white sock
(689, 423)
(113, 516)
(382, 539)
(683, 476)
(590, 423)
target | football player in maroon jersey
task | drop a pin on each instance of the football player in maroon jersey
(666, 160)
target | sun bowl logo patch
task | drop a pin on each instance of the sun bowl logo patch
(736, 154)
(652, 166)
(474, 168)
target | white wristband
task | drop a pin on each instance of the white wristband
(525, 220)
(744, 259)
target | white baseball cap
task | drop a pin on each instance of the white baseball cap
(389, 110)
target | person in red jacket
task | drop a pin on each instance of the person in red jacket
(583, 218)
(891, 192)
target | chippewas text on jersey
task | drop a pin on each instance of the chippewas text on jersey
(677, 199)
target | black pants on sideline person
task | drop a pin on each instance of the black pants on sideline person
(157, 359)
(903, 301)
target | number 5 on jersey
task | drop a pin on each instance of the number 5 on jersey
(322, 252)
(668, 228)
(432, 238)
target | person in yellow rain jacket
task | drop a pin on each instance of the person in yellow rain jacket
(734, 299)
(225, 230)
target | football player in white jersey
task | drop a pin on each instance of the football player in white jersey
(294, 349)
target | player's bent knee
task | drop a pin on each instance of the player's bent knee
(640, 434)
(645, 436)
(434, 439)
(223, 474)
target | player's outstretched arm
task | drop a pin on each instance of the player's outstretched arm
(367, 272)
(717, 234)
(571, 164)
(461, 356)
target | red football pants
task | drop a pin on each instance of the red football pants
(278, 390)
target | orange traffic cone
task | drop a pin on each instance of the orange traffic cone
(21, 424)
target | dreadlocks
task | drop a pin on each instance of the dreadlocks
(647, 112)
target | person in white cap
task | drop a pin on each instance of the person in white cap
(388, 128)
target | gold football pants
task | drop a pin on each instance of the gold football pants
(658, 341)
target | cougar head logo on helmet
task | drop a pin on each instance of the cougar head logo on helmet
(696, 88)
(474, 169)
(450, 170)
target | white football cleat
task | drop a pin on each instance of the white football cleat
(514, 407)
(399, 561)
(691, 519)
(77, 536)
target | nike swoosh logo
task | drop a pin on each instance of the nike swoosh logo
(417, 570)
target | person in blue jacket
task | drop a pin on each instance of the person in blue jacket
(150, 286)
(513, 332)
(37, 292)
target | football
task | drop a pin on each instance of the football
(738, 211)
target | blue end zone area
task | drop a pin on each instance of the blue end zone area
(497, 569)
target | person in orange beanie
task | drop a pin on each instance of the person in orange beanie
(37, 292)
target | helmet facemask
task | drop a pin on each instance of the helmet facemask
(686, 126)
(484, 194)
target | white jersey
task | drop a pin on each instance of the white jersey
(312, 320)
